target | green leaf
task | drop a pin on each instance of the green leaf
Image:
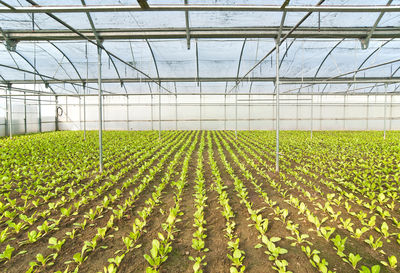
(237, 254)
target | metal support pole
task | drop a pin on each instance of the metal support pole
(277, 106)
(297, 111)
(80, 113)
(176, 107)
(84, 92)
(201, 125)
(7, 117)
(10, 117)
(159, 114)
(100, 111)
(236, 111)
(226, 87)
(384, 114)
(151, 108)
(368, 111)
(127, 112)
(320, 110)
(25, 125)
(40, 113)
(56, 112)
(187, 26)
(344, 112)
(312, 111)
(249, 114)
(84, 114)
(391, 112)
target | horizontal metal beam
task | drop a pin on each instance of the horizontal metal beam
(211, 94)
(199, 33)
(204, 7)
(283, 80)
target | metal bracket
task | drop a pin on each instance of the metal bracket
(143, 4)
(364, 43)
(10, 44)
(46, 85)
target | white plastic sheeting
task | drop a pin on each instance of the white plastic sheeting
(255, 112)
(216, 57)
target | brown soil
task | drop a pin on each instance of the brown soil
(216, 258)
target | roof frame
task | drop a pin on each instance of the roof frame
(98, 45)
(199, 7)
(34, 68)
(365, 41)
(99, 41)
(367, 58)
(62, 52)
(280, 41)
(283, 80)
(199, 33)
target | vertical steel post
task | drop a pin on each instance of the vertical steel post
(249, 114)
(25, 121)
(176, 107)
(40, 113)
(297, 111)
(368, 111)
(200, 107)
(84, 92)
(277, 106)
(80, 113)
(7, 117)
(159, 113)
(151, 108)
(384, 114)
(312, 111)
(84, 113)
(127, 112)
(100, 111)
(10, 117)
(344, 112)
(226, 86)
(56, 113)
(236, 111)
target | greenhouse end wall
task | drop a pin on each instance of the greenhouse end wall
(218, 112)
(26, 117)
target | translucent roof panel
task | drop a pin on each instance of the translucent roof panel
(198, 19)
(209, 58)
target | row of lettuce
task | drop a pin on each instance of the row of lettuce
(344, 186)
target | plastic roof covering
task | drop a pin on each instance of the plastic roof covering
(217, 57)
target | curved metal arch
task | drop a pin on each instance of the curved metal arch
(59, 65)
(69, 60)
(116, 70)
(326, 57)
(372, 53)
(240, 59)
(366, 59)
(286, 52)
(62, 52)
(34, 68)
(398, 68)
(154, 60)
(4, 80)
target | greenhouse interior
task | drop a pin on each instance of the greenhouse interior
(200, 136)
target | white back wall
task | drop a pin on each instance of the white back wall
(217, 112)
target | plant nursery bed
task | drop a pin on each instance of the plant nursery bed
(200, 201)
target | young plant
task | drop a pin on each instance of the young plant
(6, 255)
